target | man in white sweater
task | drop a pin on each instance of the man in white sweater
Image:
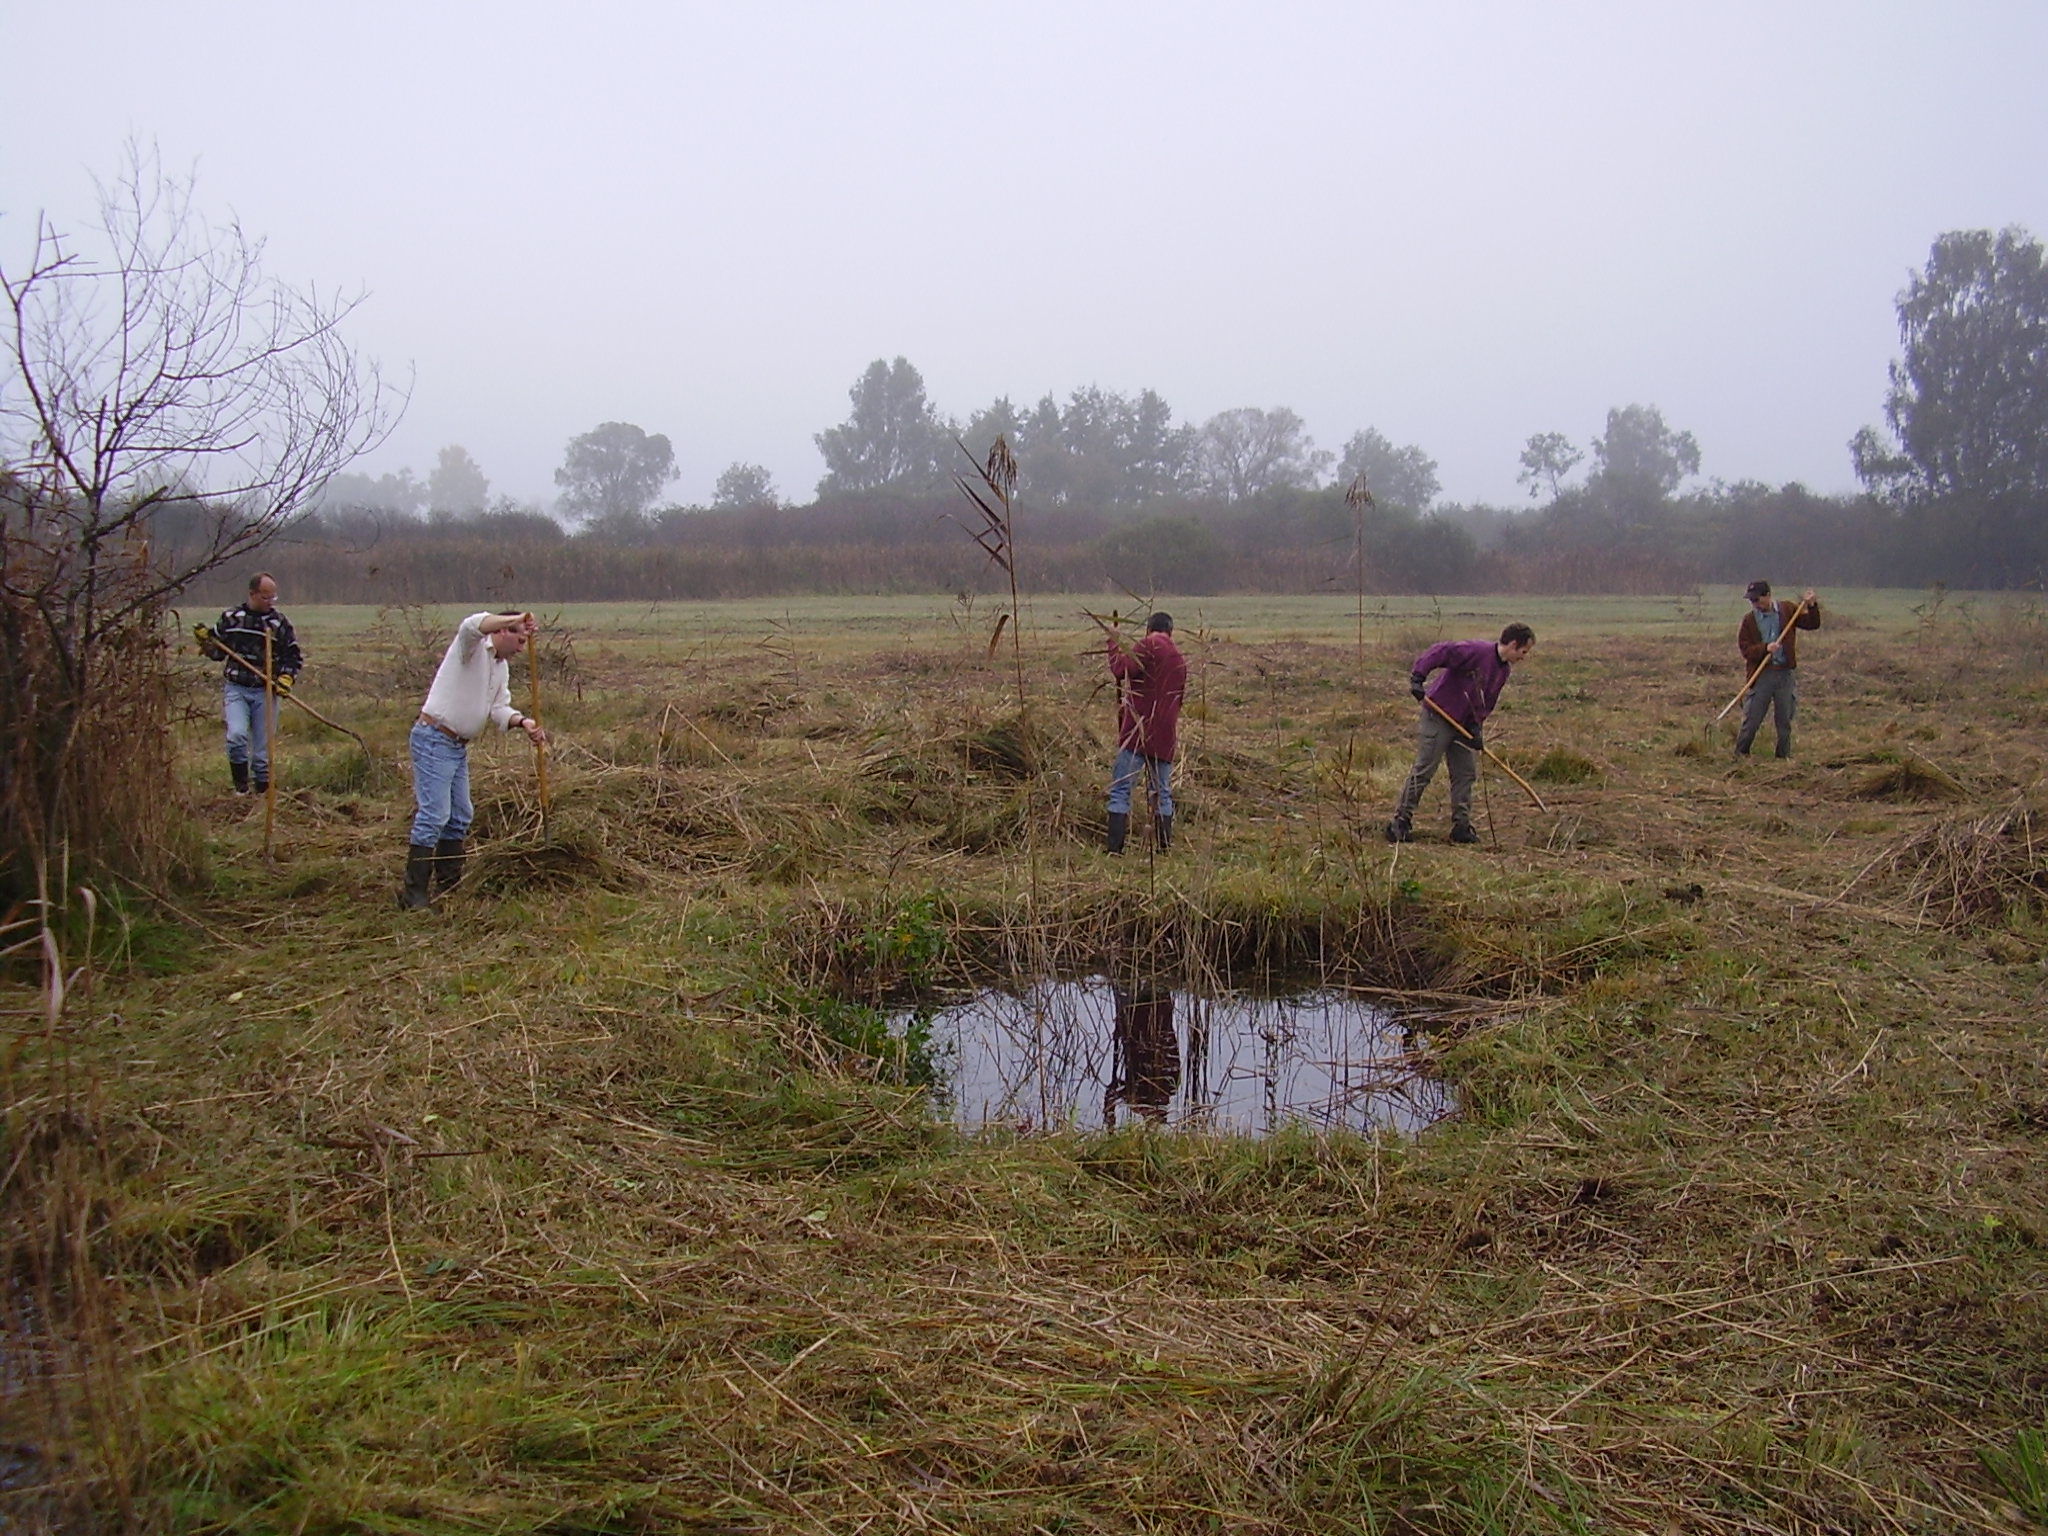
(472, 689)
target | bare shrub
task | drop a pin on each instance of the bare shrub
(166, 409)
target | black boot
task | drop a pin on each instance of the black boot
(448, 855)
(1397, 831)
(1164, 824)
(240, 772)
(1463, 834)
(1119, 829)
(419, 876)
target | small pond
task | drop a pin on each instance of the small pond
(1096, 1054)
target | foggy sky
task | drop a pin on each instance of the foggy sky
(1458, 223)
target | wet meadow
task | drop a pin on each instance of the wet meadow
(798, 1123)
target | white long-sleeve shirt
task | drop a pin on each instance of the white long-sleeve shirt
(472, 686)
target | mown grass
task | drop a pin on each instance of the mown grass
(593, 1202)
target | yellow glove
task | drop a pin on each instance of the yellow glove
(284, 682)
(203, 633)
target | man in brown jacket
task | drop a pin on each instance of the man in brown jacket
(1770, 632)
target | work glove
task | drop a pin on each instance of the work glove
(1476, 741)
(203, 633)
(1418, 684)
(284, 682)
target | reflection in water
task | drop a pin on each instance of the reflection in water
(1051, 1054)
(1145, 1067)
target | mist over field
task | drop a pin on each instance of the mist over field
(1459, 230)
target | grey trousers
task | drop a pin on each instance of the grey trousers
(1435, 739)
(1776, 690)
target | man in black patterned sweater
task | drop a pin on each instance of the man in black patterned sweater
(241, 630)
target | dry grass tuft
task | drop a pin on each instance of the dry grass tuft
(1964, 869)
(551, 866)
(85, 741)
(1904, 776)
(1004, 749)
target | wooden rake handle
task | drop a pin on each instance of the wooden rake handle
(1455, 725)
(540, 752)
(289, 697)
(1759, 672)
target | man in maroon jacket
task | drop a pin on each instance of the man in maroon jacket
(1152, 678)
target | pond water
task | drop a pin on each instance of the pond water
(1094, 1054)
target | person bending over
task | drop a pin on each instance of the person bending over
(1473, 674)
(472, 689)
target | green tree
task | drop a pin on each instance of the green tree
(743, 486)
(1547, 458)
(1397, 477)
(351, 491)
(613, 472)
(893, 438)
(999, 418)
(457, 484)
(1967, 452)
(1639, 460)
(1164, 554)
(1106, 451)
(1245, 452)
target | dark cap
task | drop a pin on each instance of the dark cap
(1757, 589)
(1159, 623)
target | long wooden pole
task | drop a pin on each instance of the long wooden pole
(540, 753)
(1504, 768)
(292, 698)
(1759, 672)
(269, 744)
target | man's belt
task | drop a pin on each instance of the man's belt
(443, 727)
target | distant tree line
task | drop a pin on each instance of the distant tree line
(1283, 541)
(1114, 492)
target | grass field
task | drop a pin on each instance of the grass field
(599, 1200)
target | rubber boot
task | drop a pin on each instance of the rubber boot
(1463, 833)
(1165, 828)
(419, 877)
(448, 856)
(1119, 829)
(240, 773)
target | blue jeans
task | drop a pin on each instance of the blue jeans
(248, 727)
(1125, 774)
(440, 786)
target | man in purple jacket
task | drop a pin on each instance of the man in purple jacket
(1474, 672)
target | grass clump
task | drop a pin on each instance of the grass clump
(2022, 1471)
(1561, 765)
